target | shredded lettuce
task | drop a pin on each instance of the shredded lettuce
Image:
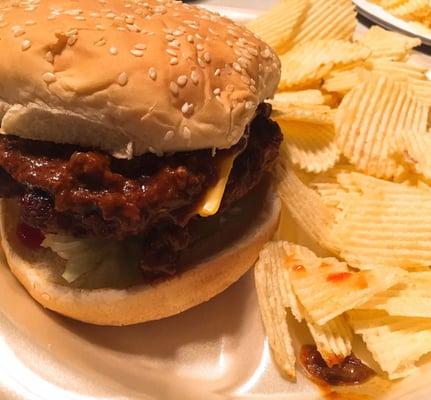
(96, 263)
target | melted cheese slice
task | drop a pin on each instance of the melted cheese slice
(212, 200)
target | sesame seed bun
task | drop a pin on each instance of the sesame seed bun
(129, 77)
(40, 271)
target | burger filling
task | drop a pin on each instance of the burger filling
(86, 194)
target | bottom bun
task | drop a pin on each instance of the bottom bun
(222, 258)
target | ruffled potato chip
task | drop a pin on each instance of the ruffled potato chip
(327, 19)
(305, 205)
(387, 44)
(396, 343)
(308, 62)
(331, 289)
(410, 298)
(280, 24)
(275, 296)
(310, 146)
(370, 121)
(388, 225)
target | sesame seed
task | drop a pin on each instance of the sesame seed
(122, 79)
(237, 67)
(132, 28)
(110, 15)
(174, 88)
(74, 12)
(160, 9)
(266, 53)
(72, 32)
(190, 38)
(201, 63)
(28, 23)
(253, 89)
(51, 17)
(247, 55)
(217, 91)
(187, 108)
(207, 57)
(171, 52)
(245, 79)
(194, 77)
(177, 32)
(152, 73)
(187, 133)
(260, 68)
(94, 14)
(26, 44)
(130, 20)
(49, 57)
(173, 61)
(182, 80)
(100, 27)
(137, 53)
(217, 72)
(72, 40)
(49, 77)
(80, 18)
(121, 29)
(199, 47)
(101, 42)
(175, 43)
(113, 50)
(17, 31)
(215, 33)
(249, 105)
(140, 46)
(169, 135)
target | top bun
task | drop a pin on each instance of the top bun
(129, 76)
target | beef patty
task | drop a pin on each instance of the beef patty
(71, 190)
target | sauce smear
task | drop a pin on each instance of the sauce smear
(338, 276)
(350, 372)
(29, 236)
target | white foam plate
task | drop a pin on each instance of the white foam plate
(380, 16)
(215, 351)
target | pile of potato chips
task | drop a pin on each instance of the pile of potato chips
(416, 11)
(355, 174)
